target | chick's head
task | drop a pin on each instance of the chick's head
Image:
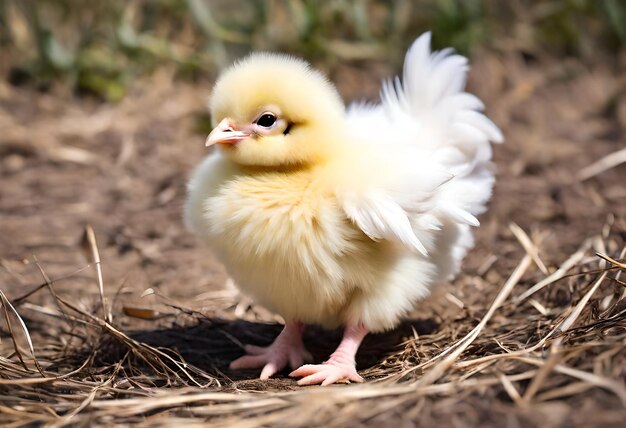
(273, 110)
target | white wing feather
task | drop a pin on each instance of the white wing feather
(435, 138)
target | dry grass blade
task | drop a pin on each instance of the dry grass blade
(9, 307)
(616, 387)
(530, 248)
(610, 161)
(90, 249)
(143, 405)
(567, 390)
(572, 261)
(571, 319)
(510, 388)
(617, 263)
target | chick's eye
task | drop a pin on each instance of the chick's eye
(267, 120)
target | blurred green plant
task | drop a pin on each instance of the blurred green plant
(99, 47)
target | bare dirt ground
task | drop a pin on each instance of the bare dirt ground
(68, 162)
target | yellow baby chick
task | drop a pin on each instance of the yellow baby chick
(336, 217)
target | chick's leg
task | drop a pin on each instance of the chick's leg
(340, 366)
(286, 349)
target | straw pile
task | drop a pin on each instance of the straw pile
(538, 340)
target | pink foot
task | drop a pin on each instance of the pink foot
(286, 349)
(328, 373)
(340, 367)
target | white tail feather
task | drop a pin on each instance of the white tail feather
(429, 111)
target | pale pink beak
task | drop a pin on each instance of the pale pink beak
(226, 133)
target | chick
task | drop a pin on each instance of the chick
(339, 217)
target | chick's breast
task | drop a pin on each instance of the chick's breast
(281, 236)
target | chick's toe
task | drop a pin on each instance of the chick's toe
(287, 349)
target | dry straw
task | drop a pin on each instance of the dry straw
(530, 344)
